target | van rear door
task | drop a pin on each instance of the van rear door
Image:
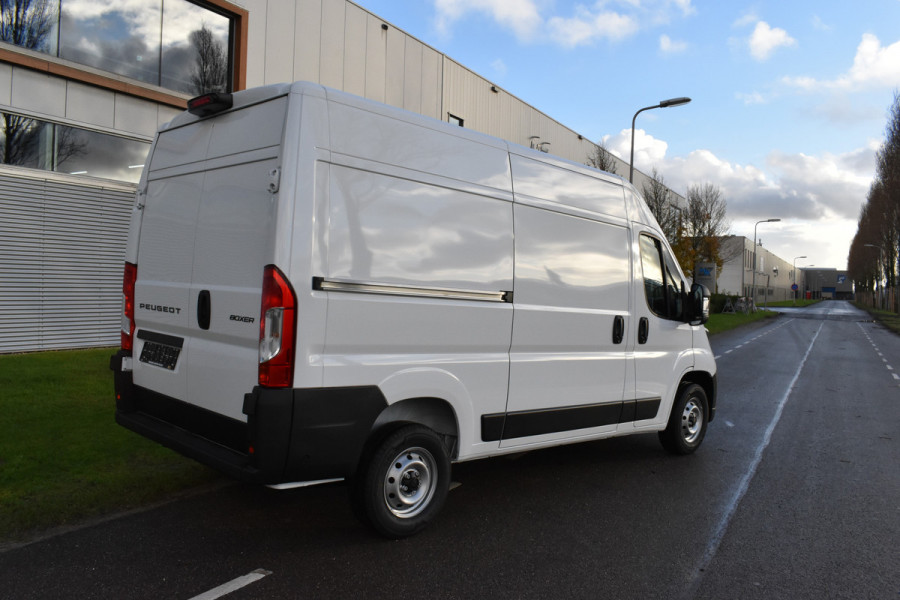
(207, 232)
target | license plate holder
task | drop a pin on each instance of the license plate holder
(160, 350)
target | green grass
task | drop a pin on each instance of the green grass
(63, 459)
(720, 322)
(797, 303)
(889, 319)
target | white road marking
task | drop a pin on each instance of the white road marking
(715, 541)
(233, 585)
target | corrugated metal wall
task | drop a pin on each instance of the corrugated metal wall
(62, 242)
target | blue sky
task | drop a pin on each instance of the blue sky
(790, 98)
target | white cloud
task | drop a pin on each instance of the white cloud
(873, 66)
(648, 150)
(751, 98)
(818, 197)
(766, 39)
(819, 24)
(499, 67)
(532, 21)
(669, 46)
(587, 27)
(521, 16)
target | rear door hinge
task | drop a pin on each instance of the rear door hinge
(274, 180)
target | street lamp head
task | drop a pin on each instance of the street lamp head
(663, 104)
(773, 220)
(674, 102)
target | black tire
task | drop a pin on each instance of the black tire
(402, 485)
(687, 421)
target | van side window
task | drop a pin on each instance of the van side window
(661, 280)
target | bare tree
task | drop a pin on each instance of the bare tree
(211, 68)
(601, 158)
(21, 142)
(662, 204)
(705, 225)
(27, 23)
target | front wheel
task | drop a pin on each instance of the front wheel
(687, 422)
(404, 483)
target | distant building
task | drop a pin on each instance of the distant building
(827, 284)
(774, 275)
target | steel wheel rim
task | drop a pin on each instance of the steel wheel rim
(409, 483)
(691, 421)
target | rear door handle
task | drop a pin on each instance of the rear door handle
(643, 330)
(204, 309)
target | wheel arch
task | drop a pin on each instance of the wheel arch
(435, 413)
(709, 384)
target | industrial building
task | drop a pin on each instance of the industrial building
(84, 84)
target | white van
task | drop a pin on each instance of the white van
(322, 287)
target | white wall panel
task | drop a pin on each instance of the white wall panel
(135, 115)
(307, 40)
(39, 92)
(280, 32)
(331, 69)
(355, 31)
(432, 82)
(412, 75)
(90, 104)
(376, 58)
(6, 72)
(394, 68)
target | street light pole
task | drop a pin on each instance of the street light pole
(794, 278)
(753, 297)
(663, 104)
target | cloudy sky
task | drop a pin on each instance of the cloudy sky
(790, 98)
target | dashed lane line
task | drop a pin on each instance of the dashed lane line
(751, 340)
(233, 585)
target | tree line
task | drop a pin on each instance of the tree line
(873, 259)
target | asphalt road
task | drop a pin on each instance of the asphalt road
(794, 494)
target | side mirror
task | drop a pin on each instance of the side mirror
(697, 306)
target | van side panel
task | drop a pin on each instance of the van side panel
(427, 212)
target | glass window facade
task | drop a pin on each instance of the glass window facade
(28, 142)
(175, 44)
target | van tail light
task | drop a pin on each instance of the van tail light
(128, 279)
(277, 324)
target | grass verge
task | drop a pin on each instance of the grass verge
(720, 322)
(63, 458)
(797, 303)
(889, 319)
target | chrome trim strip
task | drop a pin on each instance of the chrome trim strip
(331, 285)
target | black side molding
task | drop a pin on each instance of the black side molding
(507, 426)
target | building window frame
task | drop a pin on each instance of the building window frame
(53, 65)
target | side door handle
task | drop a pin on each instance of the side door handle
(618, 329)
(643, 330)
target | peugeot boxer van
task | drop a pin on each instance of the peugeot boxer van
(320, 287)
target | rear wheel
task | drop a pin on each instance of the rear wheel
(403, 484)
(687, 422)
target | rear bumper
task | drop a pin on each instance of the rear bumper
(290, 435)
